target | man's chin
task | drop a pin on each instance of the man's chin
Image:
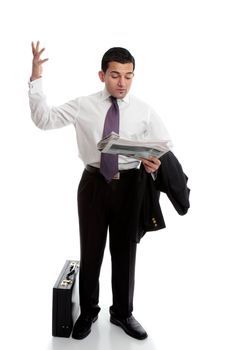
(120, 94)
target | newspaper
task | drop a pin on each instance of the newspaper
(115, 144)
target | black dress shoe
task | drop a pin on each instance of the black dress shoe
(131, 326)
(82, 326)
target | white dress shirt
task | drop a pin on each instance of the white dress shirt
(138, 121)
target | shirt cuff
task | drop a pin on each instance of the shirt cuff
(35, 86)
(154, 175)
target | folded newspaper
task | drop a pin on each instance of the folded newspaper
(115, 144)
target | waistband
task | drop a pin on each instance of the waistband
(94, 170)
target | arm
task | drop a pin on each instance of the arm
(155, 131)
(44, 116)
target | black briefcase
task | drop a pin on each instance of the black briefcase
(63, 304)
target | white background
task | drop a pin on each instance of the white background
(184, 60)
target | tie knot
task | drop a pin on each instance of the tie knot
(113, 99)
(114, 103)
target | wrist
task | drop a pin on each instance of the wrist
(35, 77)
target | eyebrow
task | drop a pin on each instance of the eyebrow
(114, 71)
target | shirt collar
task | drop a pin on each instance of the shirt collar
(106, 95)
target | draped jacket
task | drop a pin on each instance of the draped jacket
(146, 211)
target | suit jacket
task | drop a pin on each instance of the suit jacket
(146, 211)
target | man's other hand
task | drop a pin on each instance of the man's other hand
(151, 165)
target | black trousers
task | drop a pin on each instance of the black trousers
(104, 206)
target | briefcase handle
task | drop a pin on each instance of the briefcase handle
(73, 267)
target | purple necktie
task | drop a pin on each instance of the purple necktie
(109, 162)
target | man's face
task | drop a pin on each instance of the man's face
(118, 78)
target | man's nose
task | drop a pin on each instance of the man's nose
(121, 81)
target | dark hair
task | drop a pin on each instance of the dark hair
(116, 54)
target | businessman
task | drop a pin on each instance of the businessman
(107, 185)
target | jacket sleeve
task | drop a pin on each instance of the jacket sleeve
(172, 180)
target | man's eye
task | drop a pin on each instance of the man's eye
(129, 76)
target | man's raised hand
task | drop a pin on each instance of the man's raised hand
(37, 62)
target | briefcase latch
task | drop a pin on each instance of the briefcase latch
(65, 283)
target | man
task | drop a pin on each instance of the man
(104, 200)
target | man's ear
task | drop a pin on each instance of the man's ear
(101, 76)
